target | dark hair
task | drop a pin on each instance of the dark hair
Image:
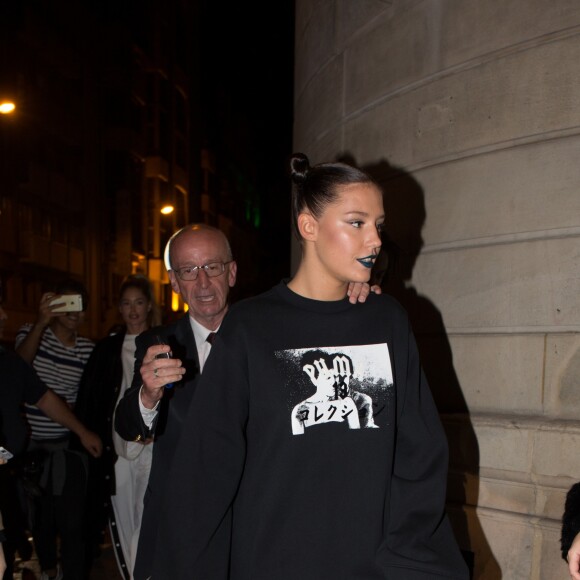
(70, 285)
(316, 187)
(139, 282)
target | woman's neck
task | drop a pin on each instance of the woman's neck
(316, 285)
(136, 329)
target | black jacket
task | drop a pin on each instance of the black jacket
(95, 405)
(570, 519)
(167, 429)
(98, 393)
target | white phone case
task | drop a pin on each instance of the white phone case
(72, 303)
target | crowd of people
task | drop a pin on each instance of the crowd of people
(290, 435)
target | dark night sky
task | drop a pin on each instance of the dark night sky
(248, 53)
(247, 56)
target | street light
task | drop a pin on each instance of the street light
(167, 209)
(7, 107)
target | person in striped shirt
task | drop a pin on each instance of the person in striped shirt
(58, 355)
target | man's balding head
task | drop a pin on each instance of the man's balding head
(206, 297)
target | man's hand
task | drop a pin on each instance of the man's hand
(91, 442)
(158, 372)
(574, 558)
(358, 291)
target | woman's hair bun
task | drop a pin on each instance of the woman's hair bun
(299, 167)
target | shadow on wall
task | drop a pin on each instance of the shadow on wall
(404, 203)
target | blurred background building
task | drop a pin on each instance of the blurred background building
(123, 109)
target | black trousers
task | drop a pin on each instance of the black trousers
(59, 514)
(14, 518)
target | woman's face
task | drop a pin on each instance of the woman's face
(134, 308)
(347, 238)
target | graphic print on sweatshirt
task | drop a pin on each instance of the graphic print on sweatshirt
(338, 384)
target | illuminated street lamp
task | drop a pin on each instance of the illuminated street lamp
(7, 107)
(167, 209)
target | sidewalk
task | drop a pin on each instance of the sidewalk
(104, 567)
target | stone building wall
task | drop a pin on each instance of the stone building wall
(468, 112)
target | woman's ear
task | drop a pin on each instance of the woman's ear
(308, 227)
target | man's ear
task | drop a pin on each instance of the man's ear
(173, 280)
(232, 272)
(308, 227)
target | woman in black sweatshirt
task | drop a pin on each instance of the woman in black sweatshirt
(275, 476)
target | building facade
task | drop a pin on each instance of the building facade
(466, 112)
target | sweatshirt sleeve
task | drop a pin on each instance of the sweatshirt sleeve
(193, 539)
(420, 542)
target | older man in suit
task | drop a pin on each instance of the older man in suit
(202, 270)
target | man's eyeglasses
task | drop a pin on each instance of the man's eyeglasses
(213, 269)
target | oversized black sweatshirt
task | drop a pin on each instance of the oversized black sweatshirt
(312, 450)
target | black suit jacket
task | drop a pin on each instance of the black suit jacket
(167, 429)
(98, 393)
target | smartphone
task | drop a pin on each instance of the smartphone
(5, 454)
(70, 303)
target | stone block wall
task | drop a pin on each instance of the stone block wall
(468, 112)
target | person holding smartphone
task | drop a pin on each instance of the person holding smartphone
(24, 386)
(58, 354)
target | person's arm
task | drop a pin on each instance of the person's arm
(574, 558)
(55, 408)
(28, 347)
(415, 521)
(137, 410)
(130, 423)
(570, 538)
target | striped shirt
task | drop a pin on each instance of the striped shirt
(60, 368)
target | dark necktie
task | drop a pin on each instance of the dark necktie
(210, 337)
